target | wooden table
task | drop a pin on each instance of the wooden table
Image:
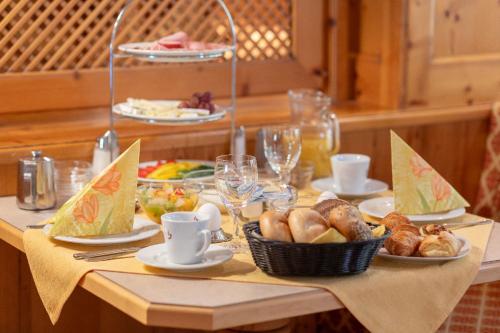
(204, 304)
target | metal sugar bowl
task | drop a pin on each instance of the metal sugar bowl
(35, 182)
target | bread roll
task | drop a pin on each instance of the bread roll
(402, 243)
(442, 245)
(324, 207)
(306, 224)
(273, 225)
(348, 221)
(394, 219)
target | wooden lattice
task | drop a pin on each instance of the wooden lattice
(52, 35)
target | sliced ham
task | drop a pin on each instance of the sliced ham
(175, 41)
(180, 40)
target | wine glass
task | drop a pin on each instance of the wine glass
(236, 181)
(282, 146)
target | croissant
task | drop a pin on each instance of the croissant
(402, 243)
(432, 229)
(407, 227)
(442, 245)
(394, 219)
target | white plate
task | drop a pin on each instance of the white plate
(464, 250)
(372, 186)
(150, 163)
(141, 229)
(380, 207)
(125, 110)
(172, 55)
(155, 256)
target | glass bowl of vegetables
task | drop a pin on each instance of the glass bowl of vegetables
(157, 199)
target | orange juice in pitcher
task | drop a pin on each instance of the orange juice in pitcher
(319, 126)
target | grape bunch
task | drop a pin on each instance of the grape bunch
(199, 101)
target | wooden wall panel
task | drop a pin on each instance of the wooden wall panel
(453, 52)
(454, 147)
(379, 56)
(466, 28)
(433, 53)
(456, 150)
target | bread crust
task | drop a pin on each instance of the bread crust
(443, 245)
(306, 224)
(349, 222)
(274, 226)
(402, 243)
(324, 207)
(394, 219)
(407, 227)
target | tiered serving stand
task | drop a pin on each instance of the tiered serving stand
(172, 56)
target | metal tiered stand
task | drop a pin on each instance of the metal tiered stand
(174, 56)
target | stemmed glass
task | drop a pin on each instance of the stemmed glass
(282, 146)
(236, 181)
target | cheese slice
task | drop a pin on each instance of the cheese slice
(418, 188)
(106, 205)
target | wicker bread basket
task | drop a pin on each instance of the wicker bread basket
(303, 259)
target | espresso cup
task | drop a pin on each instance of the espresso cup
(187, 236)
(350, 172)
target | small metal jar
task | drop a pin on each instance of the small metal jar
(35, 182)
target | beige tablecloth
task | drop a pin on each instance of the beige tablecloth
(388, 297)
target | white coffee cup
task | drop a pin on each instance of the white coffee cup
(187, 236)
(350, 172)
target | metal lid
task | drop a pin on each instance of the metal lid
(36, 157)
(36, 154)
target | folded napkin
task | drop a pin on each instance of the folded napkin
(106, 205)
(418, 188)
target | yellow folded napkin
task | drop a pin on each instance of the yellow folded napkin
(106, 205)
(418, 188)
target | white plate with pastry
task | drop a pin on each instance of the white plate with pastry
(154, 256)
(372, 186)
(380, 207)
(142, 229)
(465, 249)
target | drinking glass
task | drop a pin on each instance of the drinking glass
(236, 181)
(282, 146)
(70, 178)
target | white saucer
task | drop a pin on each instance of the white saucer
(380, 207)
(142, 229)
(464, 250)
(154, 256)
(372, 186)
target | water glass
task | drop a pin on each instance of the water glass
(70, 178)
(282, 146)
(302, 174)
(236, 181)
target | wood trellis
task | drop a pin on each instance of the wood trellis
(63, 44)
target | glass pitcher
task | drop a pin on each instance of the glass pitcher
(310, 109)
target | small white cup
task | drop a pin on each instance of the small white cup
(350, 172)
(187, 236)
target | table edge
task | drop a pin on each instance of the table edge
(212, 318)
